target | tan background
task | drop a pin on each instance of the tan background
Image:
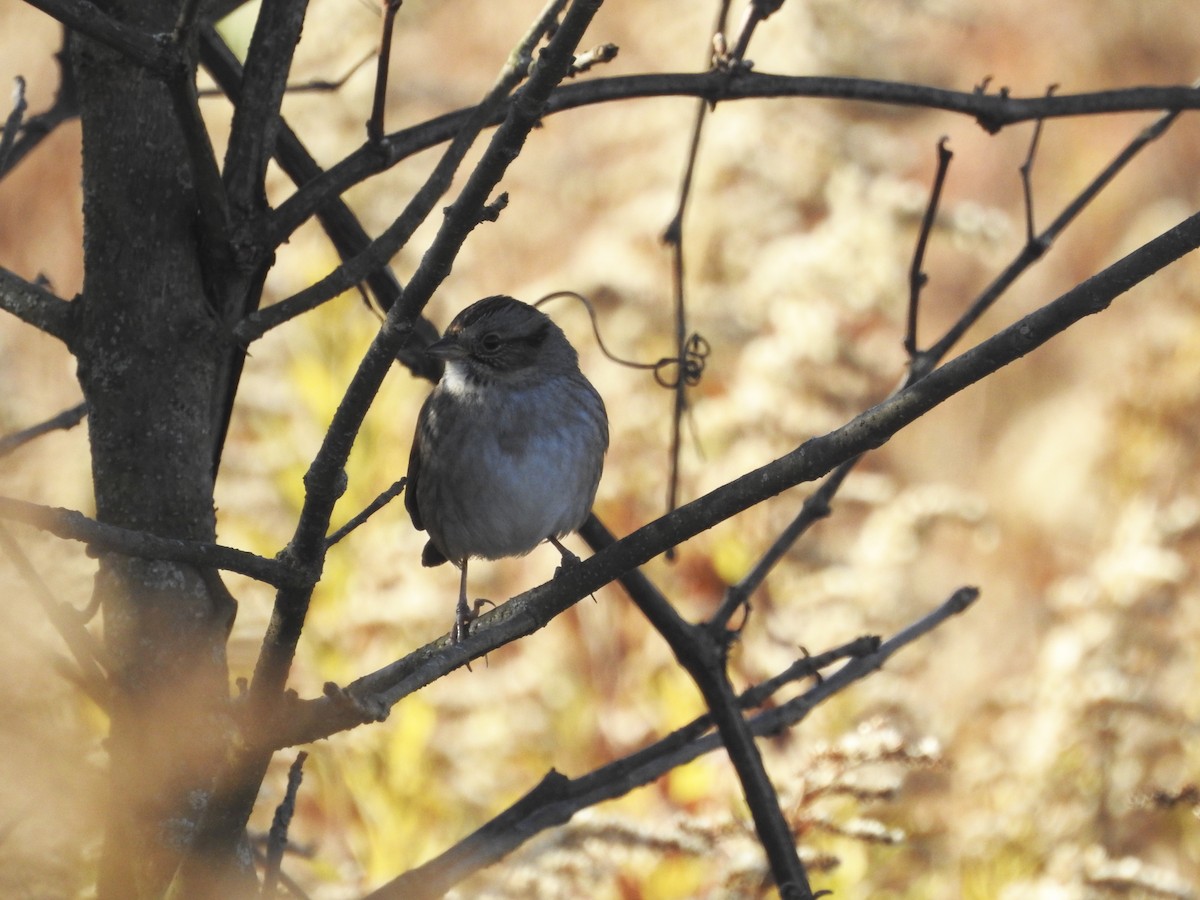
(1023, 737)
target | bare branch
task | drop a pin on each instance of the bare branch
(277, 838)
(226, 814)
(377, 254)
(815, 507)
(101, 538)
(340, 225)
(36, 306)
(35, 128)
(13, 123)
(375, 122)
(993, 111)
(916, 276)
(1027, 173)
(86, 18)
(1035, 248)
(378, 691)
(256, 115)
(66, 419)
(556, 798)
(377, 504)
(756, 12)
(702, 653)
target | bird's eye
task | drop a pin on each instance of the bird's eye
(490, 342)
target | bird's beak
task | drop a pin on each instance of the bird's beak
(447, 349)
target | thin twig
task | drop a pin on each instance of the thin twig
(12, 124)
(1027, 172)
(278, 835)
(917, 279)
(1035, 248)
(65, 420)
(375, 123)
(377, 504)
(673, 238)
(815, 507)
(312, 86)
(34, 129)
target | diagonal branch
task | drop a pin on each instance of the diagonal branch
(66, 419)
(702, 653)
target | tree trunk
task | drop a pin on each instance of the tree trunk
(148, 354)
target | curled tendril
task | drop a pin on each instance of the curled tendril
(689, 366)
(695, 356)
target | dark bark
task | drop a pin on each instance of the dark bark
(148, 351)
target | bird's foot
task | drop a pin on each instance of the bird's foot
(464, 617)
(569, 559)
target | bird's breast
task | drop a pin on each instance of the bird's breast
(523, 466)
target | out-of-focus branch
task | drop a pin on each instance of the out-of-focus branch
(36, 306)
(278, 835)
(67, 621)
(12, 124)
(34, 129)
(66, 419)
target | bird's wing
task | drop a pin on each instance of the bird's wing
(414, 470)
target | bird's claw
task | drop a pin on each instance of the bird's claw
(464, 616)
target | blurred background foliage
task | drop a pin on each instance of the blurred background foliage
(1015, 753)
